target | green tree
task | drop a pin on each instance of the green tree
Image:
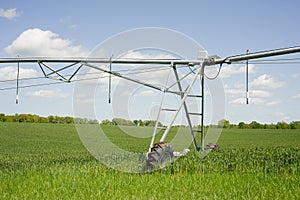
(2, 117)
(122, 122)
(36, 118)
(137, 122)
(106, 122)
(151, 123)
(69, 120)
(93, 121)
(21, 118)
(141, 123)
(271, 126)
(58, 119)
(147, 123)
(43, 120)
(295, 125)
(255, 125)
(78, 121)
(10, 118)
(282, 125)
(242, 125)
(223, 123)
(51, 119)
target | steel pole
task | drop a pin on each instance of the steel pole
(202, 109)
(208, 61)
(256, 55)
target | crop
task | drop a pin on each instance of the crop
(48, 161)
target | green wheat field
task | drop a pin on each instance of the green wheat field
(48, 161)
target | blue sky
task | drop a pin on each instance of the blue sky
(222, 27)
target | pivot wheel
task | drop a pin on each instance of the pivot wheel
(160, 155)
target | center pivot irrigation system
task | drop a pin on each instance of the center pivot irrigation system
(197, 70)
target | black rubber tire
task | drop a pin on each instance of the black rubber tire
(160, 155)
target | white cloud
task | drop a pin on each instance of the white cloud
(282, 116)
(242, 101)
(234, 92)
(84, 101)
(266, 81)
(58, 94)
(297, 96)
(144, 73)
(91, 76)
(229, 70)
(239, 85)
(147, 55)
(256, 101)
(148, 93)
(158, 77)
(10, 73)
(147, 73)
(273, 103)
(238, 101)
(37, 42)
(126, 93)
(9, 13)
(252, 93)
(259, 93)
(295, 75)
(82, 98)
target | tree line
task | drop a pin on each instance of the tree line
(256, 125)
(29, 118)
(136, 122)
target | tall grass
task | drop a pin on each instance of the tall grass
(46, 161)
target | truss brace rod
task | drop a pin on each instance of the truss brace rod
(47, 75)
(41, 67)
(185, 107)
(157, 121)
(125, 77)
(63, 68)
(69, 80)
(176, 82)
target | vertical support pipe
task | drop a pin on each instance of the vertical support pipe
(202, 108)
(109, 82)
(18, 74)
(247, 81)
